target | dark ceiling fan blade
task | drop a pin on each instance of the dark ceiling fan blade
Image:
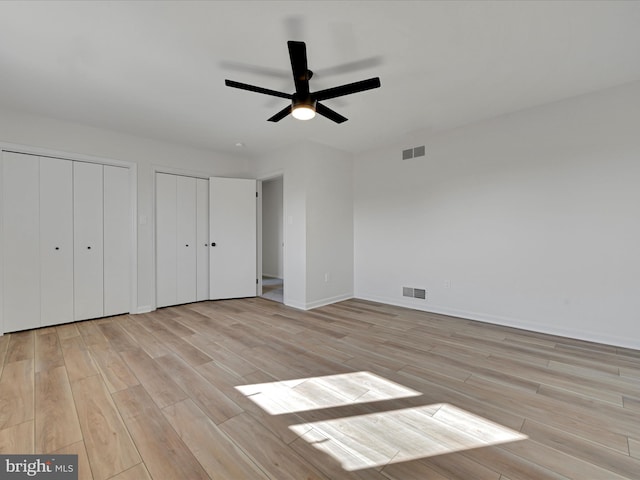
(330, 114)
(280, 74)
(298, 56)
(281, 114)
(347, 89)
(253, 88)
(349, 67)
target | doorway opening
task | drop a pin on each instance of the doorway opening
(273, 239)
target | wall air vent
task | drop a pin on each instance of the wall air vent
(414, 152)
(414, 292)
(420, 293)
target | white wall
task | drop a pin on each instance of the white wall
(272, 228)
(318, 226)
(532, 217)
(329, 226)
(148, 154)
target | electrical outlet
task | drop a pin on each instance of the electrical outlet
(326, 277)
(447, 284)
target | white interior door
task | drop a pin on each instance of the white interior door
(56, 241)
(88, 268)
(21, 269)
(202, 233)
(166, 240)
(232, 224)
(186, 225)
(117, 238)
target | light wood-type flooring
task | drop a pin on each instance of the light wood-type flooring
(251, 389)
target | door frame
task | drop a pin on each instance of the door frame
(265, 178)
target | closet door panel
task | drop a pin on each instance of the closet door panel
(88, 272)
(117, 237)
(56, 241)
(202, 232)
(21, 232)
(186, 234)
(166, 240)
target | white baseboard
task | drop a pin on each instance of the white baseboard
(328, 301)
(318, 303)
(585, 335)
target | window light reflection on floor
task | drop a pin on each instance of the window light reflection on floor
(313, 393)
(381, 438)
(378, 439)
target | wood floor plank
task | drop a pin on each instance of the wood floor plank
(4, 345)
(209, 398)
(79, 363)
(457, 466)
(192, 355)
(17, 439)
(67, 331)
(91, 334)
(17, 393)
(158, 382)
(109, 446)
(56, 419)
(619, 464)
(48, 353)
(84, 469)
(143, 337)
(115, 371)
(274, 457)
(564, 464)
(634, 447)
(154, 437)
(21, 347)
(411, 471)
(215, 451)
(139, 472)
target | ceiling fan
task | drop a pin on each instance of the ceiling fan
(304, 103)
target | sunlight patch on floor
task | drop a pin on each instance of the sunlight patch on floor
(378, 439)
(314, 393)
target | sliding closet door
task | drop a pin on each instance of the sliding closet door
(117, 240)
(56, 241)
(202, 232)
(166, 240)
(186, 234)
(88, 240)
(232, 220)
(21, 270)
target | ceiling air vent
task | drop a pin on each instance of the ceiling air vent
(418, 151)
(407, 154)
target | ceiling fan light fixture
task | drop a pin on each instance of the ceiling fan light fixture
(303, 110)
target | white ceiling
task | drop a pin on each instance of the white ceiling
(157, 69)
